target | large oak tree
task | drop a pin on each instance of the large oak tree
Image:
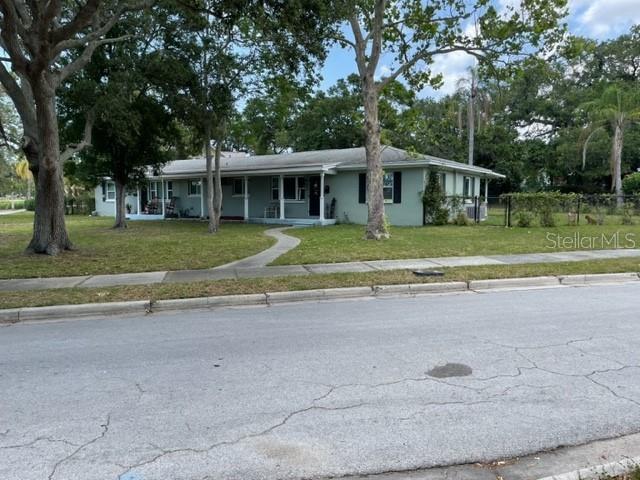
(45, 43)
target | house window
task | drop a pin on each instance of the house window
(111, 191)
(169, 190)
(237, 187)
(275, 188)
(301, 188)
(468, 187)
(153, 189)
(442, 177)
(195, 188)
(387, 187)
(294, 188)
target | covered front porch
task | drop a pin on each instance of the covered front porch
(291, 198)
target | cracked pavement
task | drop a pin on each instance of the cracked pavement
(319, 389)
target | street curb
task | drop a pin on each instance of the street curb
(599, 279)
(73, 311)
(599, 472)
(509, 283)
(15, 315)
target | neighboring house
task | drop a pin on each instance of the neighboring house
(316, 187)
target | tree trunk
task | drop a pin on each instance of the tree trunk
(210, 183)
(214, 222)
(376, 225)
(49, 229)
(616, 163)
(471, 117)
(121, 217)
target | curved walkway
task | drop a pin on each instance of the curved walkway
(283, 244)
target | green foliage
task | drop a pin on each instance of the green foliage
(434, 201)
(527, 206)
(631, 184)
(627, 213)
(524, 218)
(461, 219)
(30, 205)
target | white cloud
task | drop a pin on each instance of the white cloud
(603, 18)
(453, 67)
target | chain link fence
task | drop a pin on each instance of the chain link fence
(547, 209)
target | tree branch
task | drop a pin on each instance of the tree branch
(376, 34)
(359, 45)
(476, 52)
(81, 20)
(84, 58)
(72, 149)
(24, 107)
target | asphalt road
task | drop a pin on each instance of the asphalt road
(319, 389)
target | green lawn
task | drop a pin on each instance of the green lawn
(144, 246)
(280, 284)
(344, 243)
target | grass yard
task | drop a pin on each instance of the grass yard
(281, 284)
(144, 246)
(345, 243)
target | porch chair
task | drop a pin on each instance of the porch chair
(153, 207)
(170, 208)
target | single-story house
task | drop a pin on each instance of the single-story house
(313, 188)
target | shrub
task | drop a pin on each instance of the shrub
(11, 204)
(461, 219)
(524, 218)
(546, 218)
(30, 205)
(627, 213)
(543, 205)
(631, 184)
(433, 199)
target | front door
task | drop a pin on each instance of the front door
(314, 196)
(143, 198)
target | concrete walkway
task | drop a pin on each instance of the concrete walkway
(249, 268)
(11, 212)
(283, 245)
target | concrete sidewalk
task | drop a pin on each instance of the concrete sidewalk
(240, 269)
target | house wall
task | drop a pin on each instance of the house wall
(343, 186)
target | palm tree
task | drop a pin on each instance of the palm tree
(478, 101)
(23, 172)
(617, 108)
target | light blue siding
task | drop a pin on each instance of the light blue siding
(342, 186)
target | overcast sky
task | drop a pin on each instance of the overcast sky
(600, 19)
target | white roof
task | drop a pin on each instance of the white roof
(329, 161)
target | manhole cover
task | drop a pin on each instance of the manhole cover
(450, 370)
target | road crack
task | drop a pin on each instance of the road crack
(105, 429)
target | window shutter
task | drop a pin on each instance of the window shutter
(397, 187)
(362, 188)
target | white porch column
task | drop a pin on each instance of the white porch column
(246, 198)
(138, 200)
(162, 189)
(322, 196)
(486, 189)
(202, 198)
(281, 195)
